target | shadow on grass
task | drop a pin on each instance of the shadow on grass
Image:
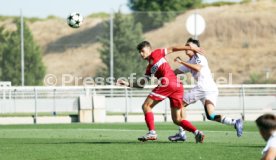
(246, 146)
(111, 142)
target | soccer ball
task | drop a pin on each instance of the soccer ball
(74, 20)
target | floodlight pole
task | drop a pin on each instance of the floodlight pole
(195, 36)
(22, 48)
(111, 47)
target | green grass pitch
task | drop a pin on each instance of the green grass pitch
(119, 141)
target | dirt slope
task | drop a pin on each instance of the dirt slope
(239, 39)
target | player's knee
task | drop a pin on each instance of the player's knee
(176, 121)
(145, 107)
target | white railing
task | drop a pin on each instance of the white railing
(6, 92)
(242, 99)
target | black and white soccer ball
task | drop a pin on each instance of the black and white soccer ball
(74, 20)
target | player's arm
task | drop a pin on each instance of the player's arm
(195, 67)
(190, 46)
(139, 83)
(270, 154)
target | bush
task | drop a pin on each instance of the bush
(257, 78)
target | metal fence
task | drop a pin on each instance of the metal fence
(238, 99)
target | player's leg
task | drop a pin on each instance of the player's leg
(149, 118)
(178, 120)
(188, 98)
(210, 114)
(209, 111)
(181, 135)
(176, 100)
(183, 110)
(184, 116)
(147, 109)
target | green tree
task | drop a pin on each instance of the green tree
(126, 35)
(11, 58)
(3, 39)
(153, 14)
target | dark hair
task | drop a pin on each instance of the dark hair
(193, 41)
(143, 44)
(266, 122)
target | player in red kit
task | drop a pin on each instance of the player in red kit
(169, 87)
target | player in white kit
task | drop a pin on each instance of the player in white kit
(267, 127)
(205, 90)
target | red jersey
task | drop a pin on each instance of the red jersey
(159, 67)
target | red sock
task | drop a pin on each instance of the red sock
(187, 126)
(150, 120)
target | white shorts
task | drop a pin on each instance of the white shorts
(198, 94)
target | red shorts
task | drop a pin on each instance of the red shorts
(174, 91)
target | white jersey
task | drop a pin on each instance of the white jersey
(270, 143)
(204, 77)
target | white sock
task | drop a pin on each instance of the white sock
(196, 132)
(228, 121)
(152, 131)
(181, 131)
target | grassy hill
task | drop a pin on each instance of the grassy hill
(239, 39)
